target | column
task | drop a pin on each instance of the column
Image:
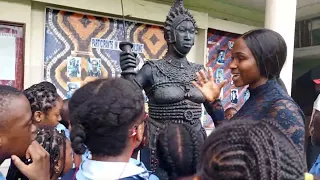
(280, 16)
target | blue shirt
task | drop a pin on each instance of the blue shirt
(60, 127)
(315, 170)
(2, 177)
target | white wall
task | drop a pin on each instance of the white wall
(19, 12)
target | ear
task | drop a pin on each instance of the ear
(38, 116)
(58, 167)
(196, 178)
(139, 135)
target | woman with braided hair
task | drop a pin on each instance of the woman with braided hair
(59, 148)
(250, 150)
(178, 151)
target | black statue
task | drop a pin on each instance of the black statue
(168, 82)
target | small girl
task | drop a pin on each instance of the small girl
(59, 148)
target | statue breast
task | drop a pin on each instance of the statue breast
(173, 84)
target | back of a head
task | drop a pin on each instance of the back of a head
(65, 117)
(250, 150)
(48, 85)
(281, 84)
(269, 50)
(101, 113)
(6, 95)
(41, 97)
(178, 149)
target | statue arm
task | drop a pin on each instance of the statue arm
(144, 76)
(128, 63)
(215, 110)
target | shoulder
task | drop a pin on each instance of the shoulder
(197, 66)
(69, 175)
(286, 108)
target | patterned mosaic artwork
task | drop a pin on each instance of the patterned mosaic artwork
(80, 48)
(219, 47)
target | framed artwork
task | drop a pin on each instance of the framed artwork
(12, 37)
(80, 47)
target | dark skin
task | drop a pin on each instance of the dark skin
(17, 140)
(65, 120)
(19, 132)
(50, 118)
(244, 70)
(229, 113)
(135, 137)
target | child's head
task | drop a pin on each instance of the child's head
(16, 127)
(230, 112)
(45, 105)
(178, 149)
(65, 116)
(251, 150)
(59, 149)
(107, 116)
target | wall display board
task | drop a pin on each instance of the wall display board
(80, 48)
(219, 47)
(12, 54)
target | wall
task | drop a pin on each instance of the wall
(32, 12)
(20, 12)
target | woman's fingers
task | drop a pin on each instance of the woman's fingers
(197, 85)
(200, 80)
(210, 74)
(203, 76)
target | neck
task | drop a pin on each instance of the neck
(174, 53)
(123, 157)
(258, 83)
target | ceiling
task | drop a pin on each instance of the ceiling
(249, 12)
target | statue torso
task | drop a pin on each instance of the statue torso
(172, 84)
(172, 97)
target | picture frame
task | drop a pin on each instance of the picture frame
(13, 34)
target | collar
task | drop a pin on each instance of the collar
(99, 170)
(263, 88)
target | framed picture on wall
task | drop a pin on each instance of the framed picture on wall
(12, 37)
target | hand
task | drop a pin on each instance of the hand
(128, 60)
(39, 169)
(207, 86)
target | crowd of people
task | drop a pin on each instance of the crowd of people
(97, 134)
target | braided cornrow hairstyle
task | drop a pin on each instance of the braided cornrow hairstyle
(41, 98)
(53, 142)
(178, 148)
(48, 85)
(101, 114)
(250, 150)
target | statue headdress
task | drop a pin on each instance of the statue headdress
(176, 15)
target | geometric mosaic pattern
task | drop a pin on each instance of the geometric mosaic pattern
(217, 41)
(69, 34)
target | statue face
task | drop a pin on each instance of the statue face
(185, 34)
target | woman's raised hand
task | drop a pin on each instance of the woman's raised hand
(207, 86)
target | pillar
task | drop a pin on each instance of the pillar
(280, 16)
